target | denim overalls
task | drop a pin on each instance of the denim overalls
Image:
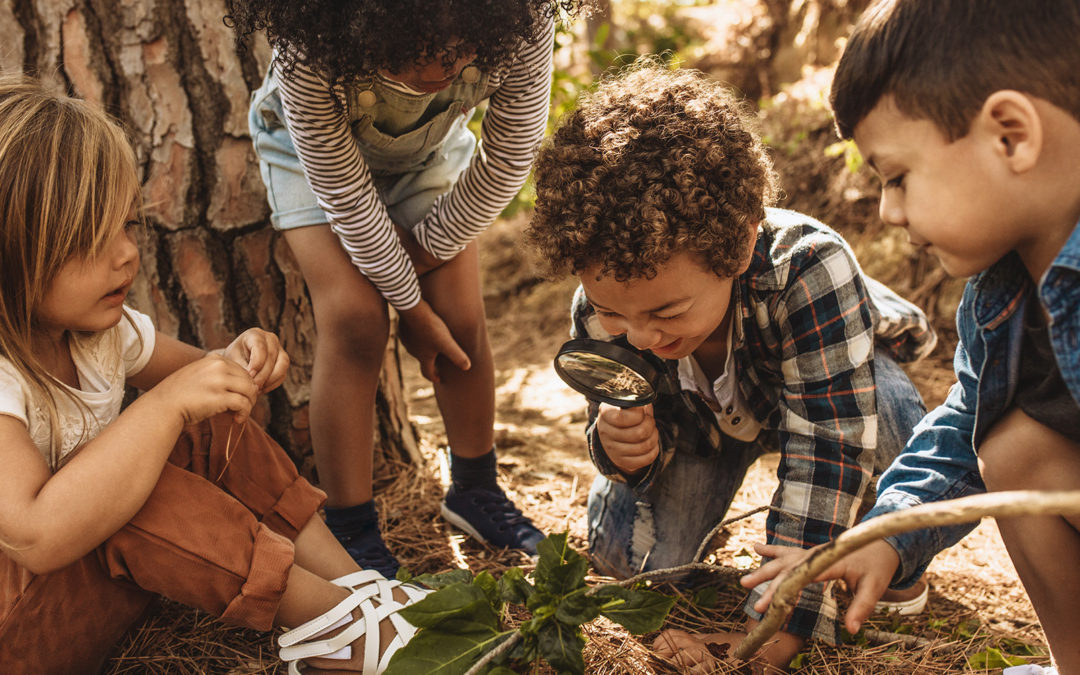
(940, 460)
(416, 145)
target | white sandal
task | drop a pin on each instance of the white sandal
(373, 594)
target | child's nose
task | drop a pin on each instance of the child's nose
(642, 336)
(890, 210)
(125, 251)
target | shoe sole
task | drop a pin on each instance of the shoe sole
(461, 524)
(905, 607)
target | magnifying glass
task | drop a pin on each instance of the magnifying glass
(607, 372)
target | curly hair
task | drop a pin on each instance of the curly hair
(653, 163)
(350, 40)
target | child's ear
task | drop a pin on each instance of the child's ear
(745, 264)
(1010, 120)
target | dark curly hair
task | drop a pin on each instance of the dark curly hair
(346, 40)
(653, 163)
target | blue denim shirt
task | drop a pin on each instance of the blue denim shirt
(939, 461)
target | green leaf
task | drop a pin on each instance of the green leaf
(799, 661)
(1015, 646)
(554, 551)
(639, 611)
(578, 608)
(434, 652)
(561, 647)
(967, 629)
(707, 598)
(437, 581)
(458, 608)
(992, 659)
(486, 583)
(542, 603)
(566, 578)
(514, 587)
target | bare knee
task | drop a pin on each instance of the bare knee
(351, 331)
(1021, 453)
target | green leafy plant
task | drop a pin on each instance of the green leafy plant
(462, 620)
(993, 659)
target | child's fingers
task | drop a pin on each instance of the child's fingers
(428, 369)
(258, 366)
(277, 373)
(624, 418)
(455, 354)
(769, 570)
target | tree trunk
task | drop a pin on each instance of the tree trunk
(170, 71)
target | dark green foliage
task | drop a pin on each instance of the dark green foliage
(460, 622)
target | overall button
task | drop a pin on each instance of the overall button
(366, 98)
(471, 74)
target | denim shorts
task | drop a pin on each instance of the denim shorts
(408, 196)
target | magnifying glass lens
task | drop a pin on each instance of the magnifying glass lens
(606, 373)
(605, 376)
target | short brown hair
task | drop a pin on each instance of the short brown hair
(654, 162)
(941, 59)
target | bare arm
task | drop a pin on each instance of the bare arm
(49, 520)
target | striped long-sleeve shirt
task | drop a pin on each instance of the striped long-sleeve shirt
(512, 128)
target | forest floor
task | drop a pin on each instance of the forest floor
(978, 615)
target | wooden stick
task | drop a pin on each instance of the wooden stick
(949, 512)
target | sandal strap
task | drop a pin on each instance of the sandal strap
(357, 579)
(376, 602)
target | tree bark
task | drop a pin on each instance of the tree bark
(170, 71)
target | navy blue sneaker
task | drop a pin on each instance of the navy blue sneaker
(488, 515)
(370, 552)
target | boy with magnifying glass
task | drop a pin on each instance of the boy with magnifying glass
(767, 336)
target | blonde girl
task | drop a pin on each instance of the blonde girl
(177, 495)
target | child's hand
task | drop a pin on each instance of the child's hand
(629, 436)
(691, 652)
(260, 353)
(868, 572)
(207, 387)
(426, 336)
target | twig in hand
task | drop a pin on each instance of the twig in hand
(949, 512)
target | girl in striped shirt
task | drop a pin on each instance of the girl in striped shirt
(380, 190)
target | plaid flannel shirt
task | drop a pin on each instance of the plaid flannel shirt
(808, 320)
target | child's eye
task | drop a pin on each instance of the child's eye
(670, 318)
(895, 182)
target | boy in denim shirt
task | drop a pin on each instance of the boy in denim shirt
(655, 193)
(969, 111)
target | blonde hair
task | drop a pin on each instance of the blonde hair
(69, 181)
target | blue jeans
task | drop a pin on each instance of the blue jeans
(629, 533)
